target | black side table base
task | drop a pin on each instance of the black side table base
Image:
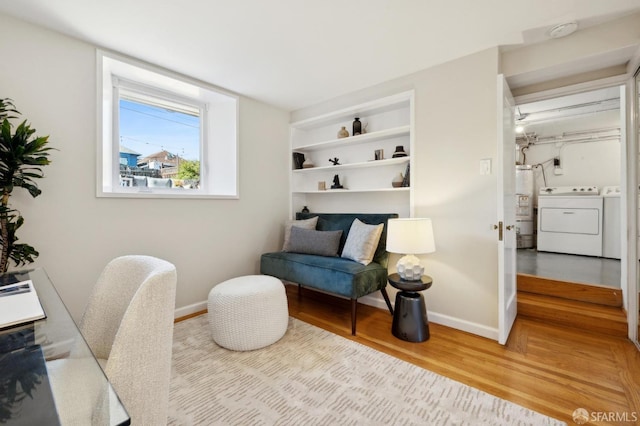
(410, 314)
(410, 321)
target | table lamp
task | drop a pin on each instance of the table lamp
(410, 236)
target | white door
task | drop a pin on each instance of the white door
(507, 294)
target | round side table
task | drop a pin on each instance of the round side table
(410, 314)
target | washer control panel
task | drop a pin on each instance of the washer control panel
(569, 190)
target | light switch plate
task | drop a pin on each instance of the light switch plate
(485, 166)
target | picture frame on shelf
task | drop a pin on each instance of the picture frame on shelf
(406, 182)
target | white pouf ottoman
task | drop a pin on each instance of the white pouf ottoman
(248, 312)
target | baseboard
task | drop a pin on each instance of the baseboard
(464, 325)
(191, 309)
(442, 319)
(374, 300)
(377, 302)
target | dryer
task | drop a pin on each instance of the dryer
(570, 220)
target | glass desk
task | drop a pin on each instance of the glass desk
(48, 374)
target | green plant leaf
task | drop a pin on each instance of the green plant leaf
(22, 154)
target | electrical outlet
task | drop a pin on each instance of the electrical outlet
(557, 168)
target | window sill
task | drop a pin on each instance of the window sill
(166, 194)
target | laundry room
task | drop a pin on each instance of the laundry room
(568, 176)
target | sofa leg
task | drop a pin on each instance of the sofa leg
(386, 299)
(354, 308)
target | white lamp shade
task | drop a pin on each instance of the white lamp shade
(410, 236)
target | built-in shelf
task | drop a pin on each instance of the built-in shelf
(359, 139)
(372, 163)
(377, 106)
(345, 191)
(389, 126)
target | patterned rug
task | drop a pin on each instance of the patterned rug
(314, 377)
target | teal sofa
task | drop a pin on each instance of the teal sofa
(335, 275)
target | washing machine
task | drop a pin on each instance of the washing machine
(611, 243)
(570, 220)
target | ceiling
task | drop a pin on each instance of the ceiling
(292, 53)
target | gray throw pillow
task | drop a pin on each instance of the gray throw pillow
(305, 223)
(309, 241)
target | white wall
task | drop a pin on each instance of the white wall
(586, 163)
(52, 80)
(456, 126)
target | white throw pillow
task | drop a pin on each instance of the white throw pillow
(304, 224)
(362, 242)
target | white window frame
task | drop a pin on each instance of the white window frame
(218, 129)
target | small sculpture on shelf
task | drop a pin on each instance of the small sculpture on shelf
(343, 133)
(336, 183)
(305, 209)
(335, 161)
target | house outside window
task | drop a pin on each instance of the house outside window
(163, 135)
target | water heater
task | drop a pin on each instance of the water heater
(524, 207)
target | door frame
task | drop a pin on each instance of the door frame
(628, 180)
(632, 130)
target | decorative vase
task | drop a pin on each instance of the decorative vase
(298, 160)
(397, 181)
(343, 133)
(399, 152)
(305, 209)
(357, 127)
(307, 164)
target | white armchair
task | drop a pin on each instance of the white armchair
(128, 325)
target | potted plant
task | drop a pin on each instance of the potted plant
(22, 156)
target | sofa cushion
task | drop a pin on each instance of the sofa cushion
(362, 242)
(335, 275)
(343, 221)
(307, 223)
(310, 241)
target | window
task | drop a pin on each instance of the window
(162, 135)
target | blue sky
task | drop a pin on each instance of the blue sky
(147, 129)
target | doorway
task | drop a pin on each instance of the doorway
(573, 151)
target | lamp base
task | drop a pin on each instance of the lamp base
(409, 268)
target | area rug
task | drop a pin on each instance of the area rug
(314, 377)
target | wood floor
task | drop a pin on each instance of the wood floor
(551, 369)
